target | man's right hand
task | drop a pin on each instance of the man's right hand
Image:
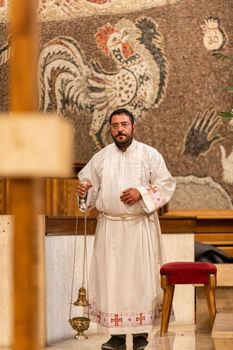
(83, 188)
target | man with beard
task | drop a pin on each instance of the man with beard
(127, 181)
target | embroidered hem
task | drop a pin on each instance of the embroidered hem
(119, 320)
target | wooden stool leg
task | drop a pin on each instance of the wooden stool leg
(210, 296)
(168, 292)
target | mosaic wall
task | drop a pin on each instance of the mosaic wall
(156, 58)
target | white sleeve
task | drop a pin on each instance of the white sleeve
(161, 187)
(90, 174)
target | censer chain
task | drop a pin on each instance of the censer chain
(74, 263)
(85, 266)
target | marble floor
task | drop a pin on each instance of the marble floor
(182, 337)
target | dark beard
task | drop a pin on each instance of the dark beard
(123, 145)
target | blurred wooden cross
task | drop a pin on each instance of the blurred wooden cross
(31, 147)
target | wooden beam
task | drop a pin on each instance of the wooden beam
(66, 225)
(24, 197)
(23, 65)
(26, 264)
(62, 226)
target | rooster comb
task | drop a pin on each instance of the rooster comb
(102, 36)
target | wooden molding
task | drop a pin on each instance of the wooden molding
(63, 225)
(211, 227)
(170, 223)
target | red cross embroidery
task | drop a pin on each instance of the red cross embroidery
(116, 320)
(152, 188)
(140, 319)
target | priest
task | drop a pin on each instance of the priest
(127, 181)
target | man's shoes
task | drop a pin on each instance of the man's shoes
(140, 341)
(116, 342)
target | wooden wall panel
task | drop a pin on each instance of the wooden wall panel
(2, 195)
(60, 198)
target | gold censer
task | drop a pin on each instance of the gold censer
(80, 323)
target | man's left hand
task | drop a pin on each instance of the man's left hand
(130, 196)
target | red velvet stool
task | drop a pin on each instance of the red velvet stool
(186, 273)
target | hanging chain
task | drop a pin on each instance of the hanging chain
(85, 269)
(85, 263)
(74, 264)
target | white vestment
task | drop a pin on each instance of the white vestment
(124, 287)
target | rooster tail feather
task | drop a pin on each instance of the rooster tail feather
(151, 38)
(61, 72)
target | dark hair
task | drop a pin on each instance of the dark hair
(122, 111)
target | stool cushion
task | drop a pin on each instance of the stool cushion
(188, 272)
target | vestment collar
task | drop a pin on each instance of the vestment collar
(130, 149)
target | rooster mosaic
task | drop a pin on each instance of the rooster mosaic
(138, 82)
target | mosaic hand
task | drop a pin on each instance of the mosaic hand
(198, 139)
